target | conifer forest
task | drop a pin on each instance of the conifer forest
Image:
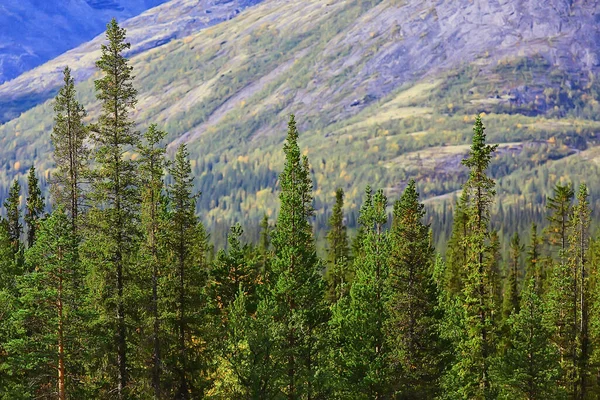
(111, 286)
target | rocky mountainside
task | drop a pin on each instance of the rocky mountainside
(385, 90)
(34, 31)
(153, 28)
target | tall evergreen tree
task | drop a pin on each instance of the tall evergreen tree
(48, 320)
(152, 167)
(529, 368)
(13, 219)
(113, 236)
(533, 261)
(412, 327)
(578, 260)
(233, 271)
(298, 288)
(456, 258)
(71, 154)
(34, 207)
(469, 377)
(251, 340)
(337, 250)
(559, 208)
(188, 303)
(359, 319)
(569, 296)
(511, 292)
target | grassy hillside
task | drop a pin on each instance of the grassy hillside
(368, 113)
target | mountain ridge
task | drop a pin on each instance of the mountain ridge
(33, 32)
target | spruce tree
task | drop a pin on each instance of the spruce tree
(233, 271)
(337, 250)
(529, 368)
(34, 207)
(113, 234)
(297, 285)
(559, 208)
(49, 344)
(251, 339)
(359, 319)
(578, 260)
(469, 377)
(456, 257)
(187, 304)
(533, 261)
(152, 167)
(412, 329)
(569, 295)
(71, 155)
(511, 292)
(12, 222)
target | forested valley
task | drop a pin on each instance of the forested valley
(117, 292)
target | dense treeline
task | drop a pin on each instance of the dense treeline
(116, 293)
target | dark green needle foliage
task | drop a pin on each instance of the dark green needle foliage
(113, 236)
(359, 320)
(297, 285)
(338, 252)
(413, 322)
(71, 154)
(34, 208)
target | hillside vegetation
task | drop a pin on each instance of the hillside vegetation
(383, 89)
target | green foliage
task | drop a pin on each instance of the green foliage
(297, 288)
(71, 154)
(470, 377)
(529, 368)
(49, 344)
(113, 231)
(338, 252)
(413, 322)
(360, 352)
(186, 302)
(13, 224)
(34, 208)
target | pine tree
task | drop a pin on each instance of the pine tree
(48, 319)
(188, 303)
(113, 235)
(559, 208)
(469, 377)
(511, 293)
(533, 261)
(569, 296)
(297, 288)
(11, 376)
(34, 206)
(530, 366)
(264, 252)
(457, 250)
(337, 250)
(359, 319)
(412, 327)
(71, 154)
(232, 271)
(493, 264)
(251, 339)
(13, 220)
(152, 167)
(578, 251)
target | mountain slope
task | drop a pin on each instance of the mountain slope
(34, 31)
(384, 91)
(155, 27)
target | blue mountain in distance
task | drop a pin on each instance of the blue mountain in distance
(35, 31)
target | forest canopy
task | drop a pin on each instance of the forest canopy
(118, 292)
